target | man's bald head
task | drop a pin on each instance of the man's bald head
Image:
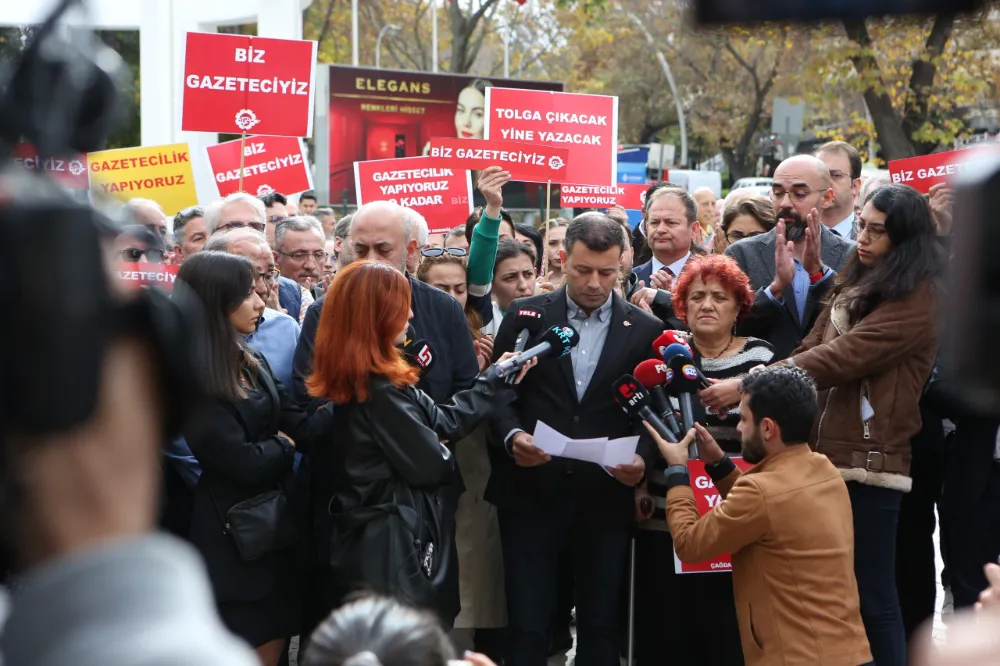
(814, 167)
(148, 213)
(381, 231)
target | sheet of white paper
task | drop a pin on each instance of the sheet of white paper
(620, 451)
(548, 439)
(587, 450)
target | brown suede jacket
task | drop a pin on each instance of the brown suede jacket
(884, 359)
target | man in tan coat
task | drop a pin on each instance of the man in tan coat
(787, 523)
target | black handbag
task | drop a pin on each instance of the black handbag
(394, 548)
(264, 523)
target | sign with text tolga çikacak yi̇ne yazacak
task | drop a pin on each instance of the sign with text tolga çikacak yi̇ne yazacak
(924, 172)
(630, 196)
(525, 161)
(239, 83)
(585, 124)
(707, 497)
(160, 173)
(270, 164)
(70, 172)
(443, 195)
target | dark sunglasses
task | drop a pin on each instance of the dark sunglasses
(438, 251)
(153, 256)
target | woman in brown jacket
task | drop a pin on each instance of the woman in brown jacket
(870, 354)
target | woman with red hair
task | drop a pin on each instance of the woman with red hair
(378, 513)
(711, 294)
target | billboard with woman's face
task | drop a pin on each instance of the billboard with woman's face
(379, 114)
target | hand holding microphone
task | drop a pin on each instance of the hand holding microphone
(553, 343)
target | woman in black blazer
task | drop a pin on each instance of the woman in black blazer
(382, 516)
(235, 437)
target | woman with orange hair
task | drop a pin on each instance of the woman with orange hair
(380, 480)
(710, 296)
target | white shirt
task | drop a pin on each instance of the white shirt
(674, 268)
(846, 227)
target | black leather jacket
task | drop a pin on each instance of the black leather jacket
(398, 433)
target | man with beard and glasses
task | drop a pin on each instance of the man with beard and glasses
(791, 267)
(793, 575)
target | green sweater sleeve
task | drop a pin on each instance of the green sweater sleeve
(483, 250)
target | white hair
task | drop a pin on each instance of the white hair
(213, 212)
(222, 242)
(297, 223)
(134, 205)
(393, 209)
(418, 226)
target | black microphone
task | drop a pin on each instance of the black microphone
(530, 321)
(653, 375)
(553, 343)
(633, 397)
(419, 354)
(683, 385)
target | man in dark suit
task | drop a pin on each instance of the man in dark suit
(547, 503)
(792, 267)
(671, 217)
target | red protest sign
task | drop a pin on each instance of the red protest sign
(238, 83)
(707, 497)
(71, 172)
(922, 173)
(525, 161)
(629, 196)
(585, 124)
(135, 275)
(442, 195)
(270, 164)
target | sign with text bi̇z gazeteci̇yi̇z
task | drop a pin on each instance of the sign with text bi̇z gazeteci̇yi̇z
(160, 173)
(270, 164)
(526, 162)
(922, 173)
(586, 124)
(238, 83)
(442, 195)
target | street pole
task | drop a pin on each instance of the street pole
(434, 36)
(670, 79)
(378, 43)
(354, 32)
(506, 42)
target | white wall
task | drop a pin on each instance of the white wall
(162, 25)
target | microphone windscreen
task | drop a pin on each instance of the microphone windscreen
(531, 318)
(685, 379)
(651, 372)
(562, 339)
(630, 394)
(411, 334)
(674, 349)
(666, 339)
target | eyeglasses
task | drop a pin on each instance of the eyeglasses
(270, 277)
(837, 174)
(438, 251)
(874, 231)
(237, 224)
(796, 195)
(302, 255)
(153, 256)
(274, 219)
(734, 236)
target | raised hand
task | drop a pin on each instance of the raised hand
(812, 259)
(784, 263)
(491, 182)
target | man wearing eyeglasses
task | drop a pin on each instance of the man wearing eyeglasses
(139, 244)
(300, 250)
(792, 266)
(844, 163)
(276, 209)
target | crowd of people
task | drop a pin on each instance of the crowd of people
(360, 436)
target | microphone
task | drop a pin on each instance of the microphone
(553, 343)
(530, 321)
(411, 333)
(419, 354)
(675, 349)
(633, 397)
(654, 374)
(683, 384)
(666, 339)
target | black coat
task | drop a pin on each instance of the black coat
(548, 394)
(242, 456)
(393, 441)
